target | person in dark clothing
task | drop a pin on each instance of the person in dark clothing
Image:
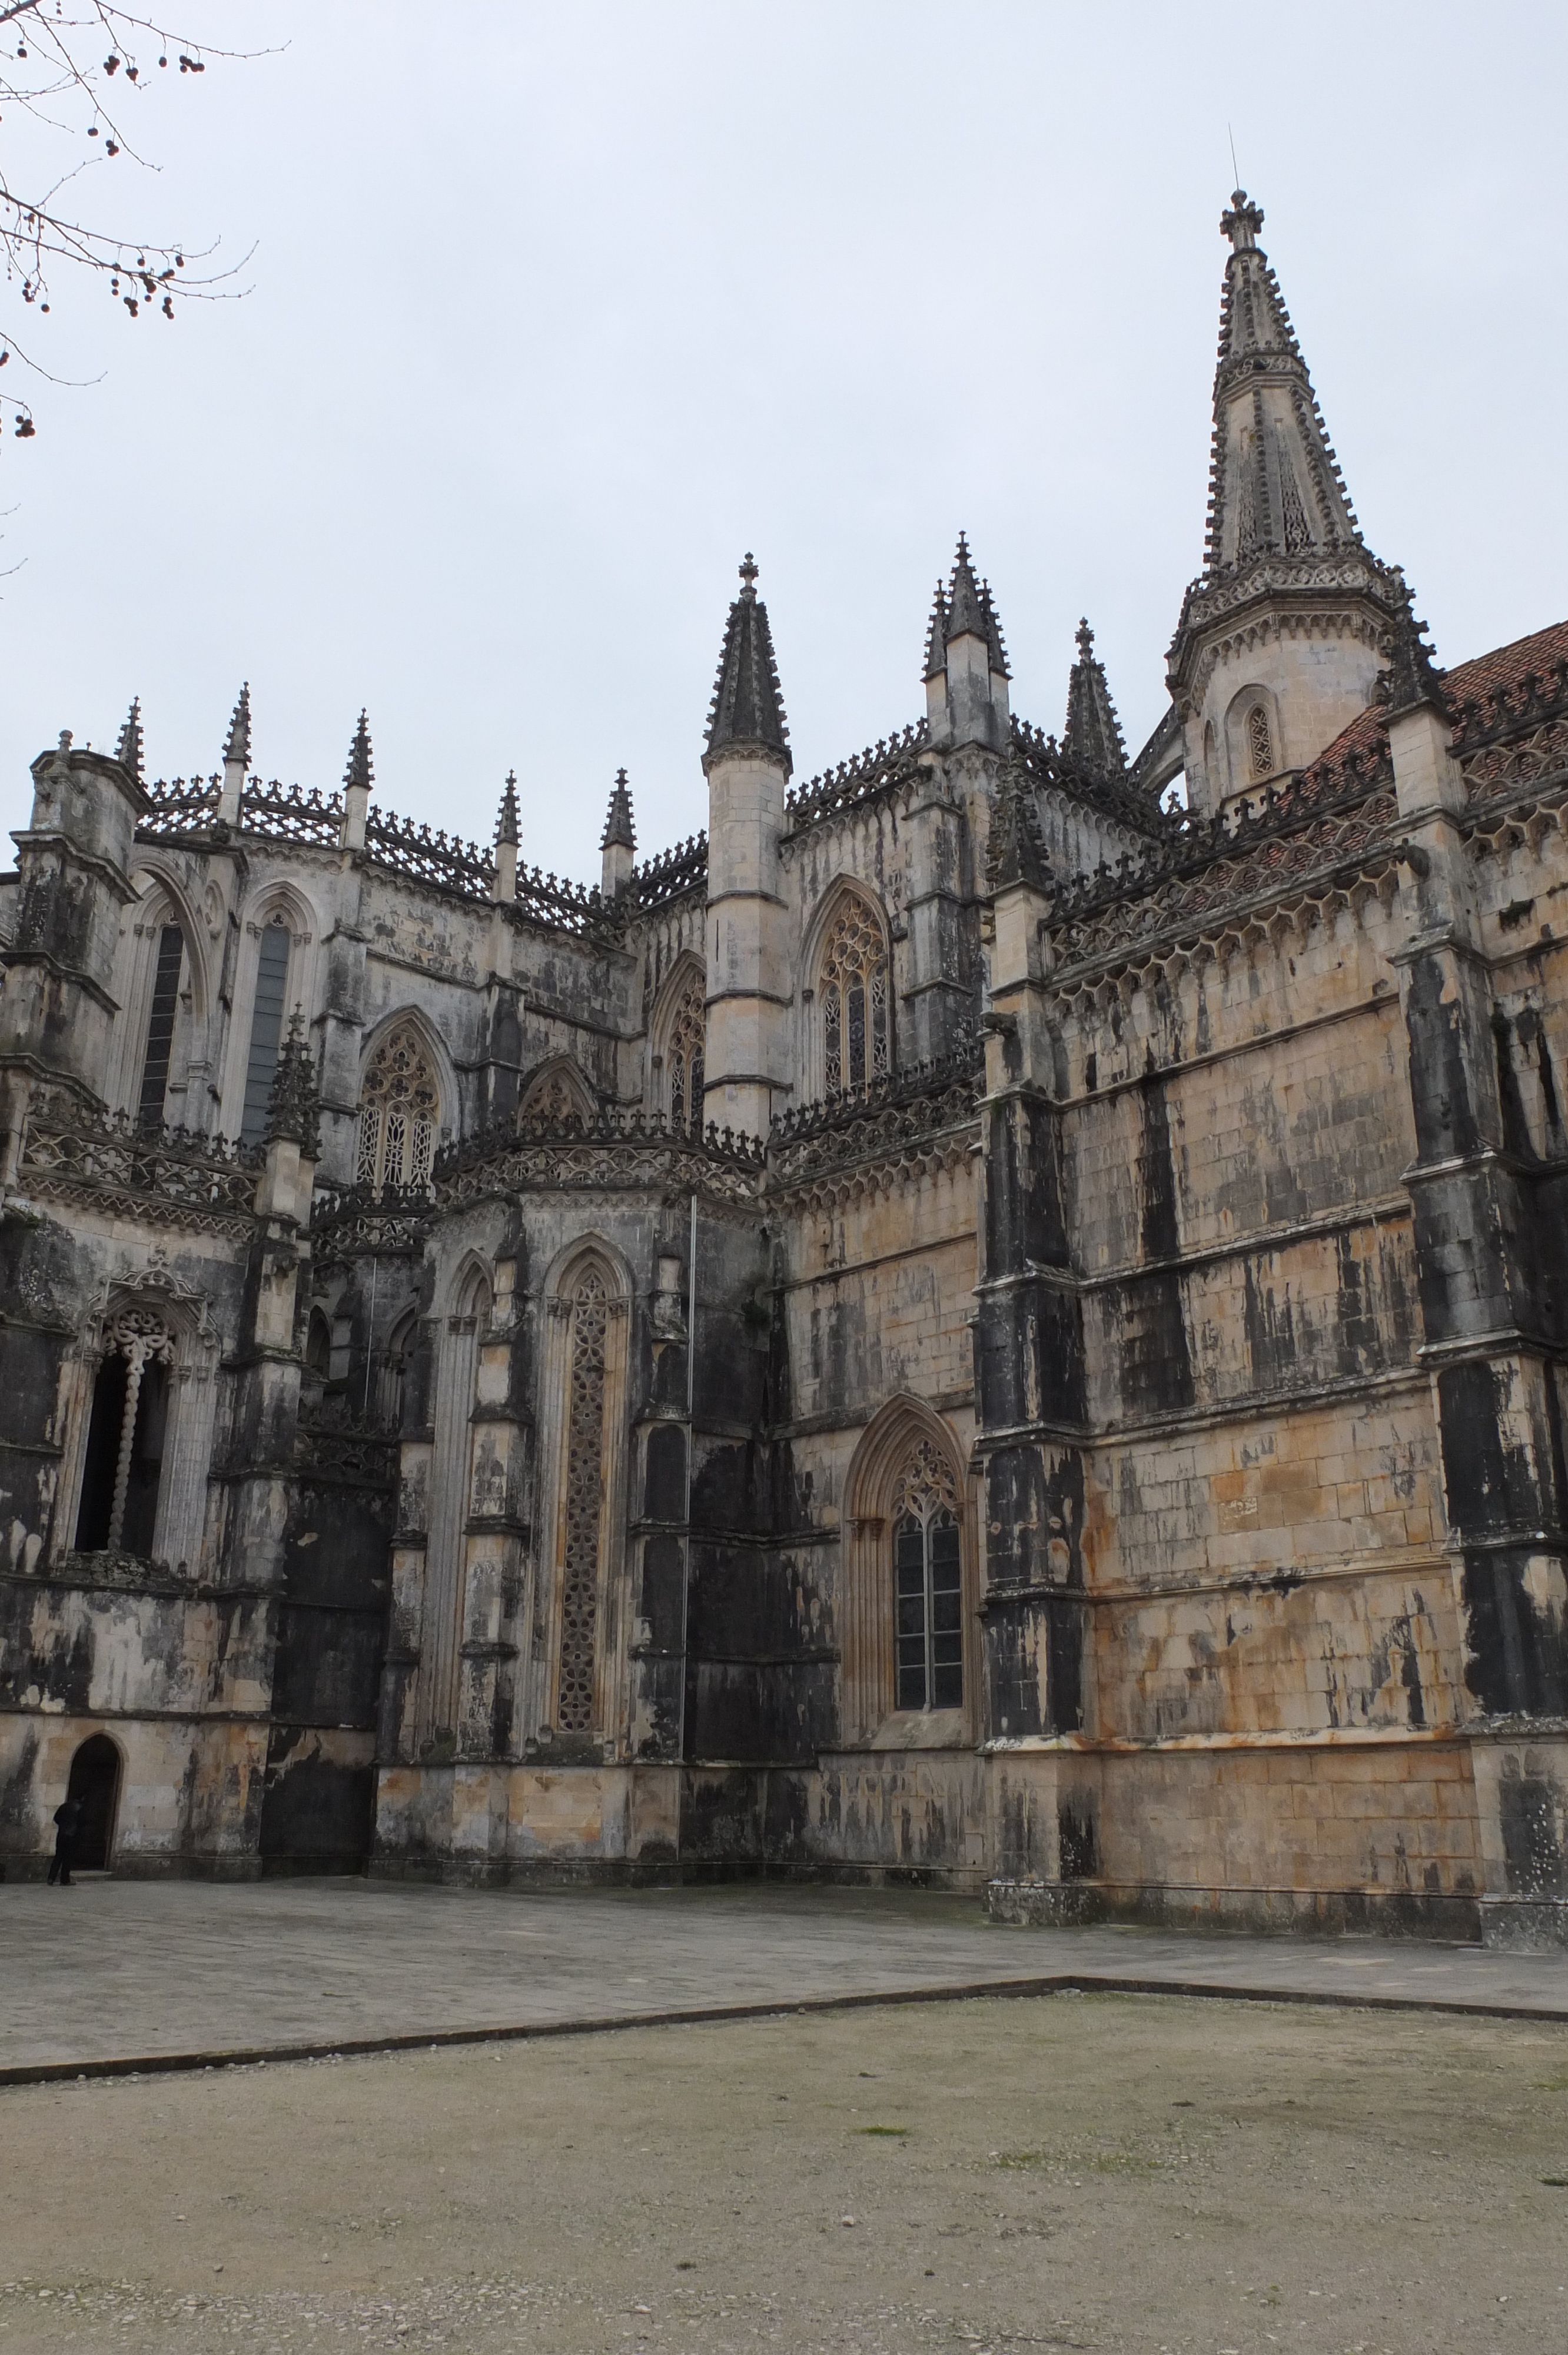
(68, 1824)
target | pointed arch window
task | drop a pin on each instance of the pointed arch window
(685, 1056)
(266, 1027)
(557, 1097)
(854, 990)
(168, 965)
(1259, 744)
(584, 1504)
(398, 1106)
(929, 1627)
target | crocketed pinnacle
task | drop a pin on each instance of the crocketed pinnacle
(937, 635)
(1411, 678)
(1277, 486)
(128, 751)
(1092, 737)
(359, 770)
(619, 830)
(965, 609)
(506, 823)
(293, 1107)
(747, 708)
(237, 745)
(1016, 851)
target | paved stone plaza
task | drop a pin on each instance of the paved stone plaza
(115, 1971)
(1152, 2175)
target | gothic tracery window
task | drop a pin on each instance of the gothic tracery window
(929, 1635)
(1259, 744)
(584, 1504)
(397, 1109)
(555, 1097)
(853, 985)
(684, 1058)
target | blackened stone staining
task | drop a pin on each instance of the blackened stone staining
(1192, 1248)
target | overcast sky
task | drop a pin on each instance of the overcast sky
(555, 311)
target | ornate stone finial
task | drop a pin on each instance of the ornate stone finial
(618, 831)
(1016, 851)
(65, 743)
(506, 823)
(1411, 678)
(1084, 638)
(749, 574)
(1242, 222)
(237, 744)
(128, 751)
(359, 770)
(293, 1107)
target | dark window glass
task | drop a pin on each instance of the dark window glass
(265, 1031)
(161, 1027)
(928, 1613)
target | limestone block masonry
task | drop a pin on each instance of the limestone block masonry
(994, 1318)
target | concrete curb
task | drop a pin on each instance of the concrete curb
(44, 2073)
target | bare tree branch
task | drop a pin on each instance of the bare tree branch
(53, 75)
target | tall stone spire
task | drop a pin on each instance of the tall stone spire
(749, 1060)
(1092, 737)
(128, 751)
(1292, 609)
(747, 708)
(619, 841)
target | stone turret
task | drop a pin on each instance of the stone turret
(966, 663)
(619, 841)
(57, 1006)
(1278, 645)
(750, 986)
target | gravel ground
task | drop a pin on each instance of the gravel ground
(1104, 2172)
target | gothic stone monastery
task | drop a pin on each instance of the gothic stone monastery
(970, 1324)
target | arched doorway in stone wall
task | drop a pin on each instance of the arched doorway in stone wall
(95, 1780)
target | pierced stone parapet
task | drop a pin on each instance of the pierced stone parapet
(167, 1177)
(891, 762)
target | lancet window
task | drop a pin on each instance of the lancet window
(168, 967)
(853, 992)
(584, 1504)
(928, 1630)
(266, 1029)
(1259, 744)
(126, 1440)
(684, 1058)
(398, 1105)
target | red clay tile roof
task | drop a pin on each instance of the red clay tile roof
(1500, 673)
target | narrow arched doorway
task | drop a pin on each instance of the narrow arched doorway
(95, 1780)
